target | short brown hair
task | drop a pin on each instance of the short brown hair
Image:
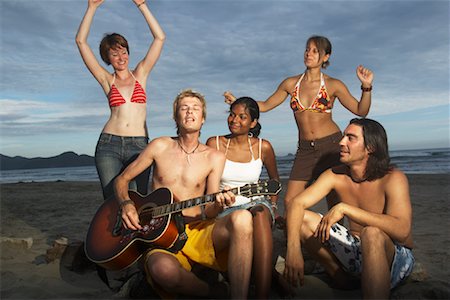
(323, 45)
(111, 41)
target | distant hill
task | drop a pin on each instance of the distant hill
(289, 156)
(66, 159)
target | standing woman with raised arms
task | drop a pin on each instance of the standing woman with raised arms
(125, 134)
(312, 97)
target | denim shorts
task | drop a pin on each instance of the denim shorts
(347, 249)
(112, 155)
(258, 200)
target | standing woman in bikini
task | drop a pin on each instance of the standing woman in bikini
(125, 134)
(246, 154)
(312, 97)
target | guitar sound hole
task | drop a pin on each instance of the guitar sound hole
(151, 224)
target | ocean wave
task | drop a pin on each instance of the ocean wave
(423, 161)
(441, 152)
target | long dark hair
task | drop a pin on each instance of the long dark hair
(252, 106)
(375, 141)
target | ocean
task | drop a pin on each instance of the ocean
(424, 161)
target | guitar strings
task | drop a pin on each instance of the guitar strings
(243, 190)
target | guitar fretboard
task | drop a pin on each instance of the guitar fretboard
(270, 187)
(179, 206)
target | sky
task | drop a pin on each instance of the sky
(50, 103)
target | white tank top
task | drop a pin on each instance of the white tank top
(238, 174)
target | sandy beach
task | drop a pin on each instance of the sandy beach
(34, 215)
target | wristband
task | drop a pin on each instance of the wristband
(140, 3)
(126, 202)
(364, 89)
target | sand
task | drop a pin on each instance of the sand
(35, 215)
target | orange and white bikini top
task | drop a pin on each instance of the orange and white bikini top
(116, 99)
(321, 103)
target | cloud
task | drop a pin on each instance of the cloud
(28, 117)
(247, 47)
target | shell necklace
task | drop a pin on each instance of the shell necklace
(188, 154)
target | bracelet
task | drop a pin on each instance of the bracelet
(364, 89)
(126, 202)
(140, 3)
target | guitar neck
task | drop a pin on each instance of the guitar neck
(179, 206)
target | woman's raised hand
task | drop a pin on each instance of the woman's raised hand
(364, 75)
(138, 2)
(95, 3)
(229, 97)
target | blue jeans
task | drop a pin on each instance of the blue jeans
(112, 155)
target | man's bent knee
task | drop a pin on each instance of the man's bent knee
(164, 270)
(373, 239)
(241, 221)
(372, 235)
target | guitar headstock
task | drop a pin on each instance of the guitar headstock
(264, 187)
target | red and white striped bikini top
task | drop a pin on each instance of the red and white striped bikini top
(116, 99)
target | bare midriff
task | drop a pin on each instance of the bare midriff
(127, 120)
(313, 125)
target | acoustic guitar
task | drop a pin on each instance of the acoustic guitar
(112, 246)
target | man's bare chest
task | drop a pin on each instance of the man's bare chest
(369, 197)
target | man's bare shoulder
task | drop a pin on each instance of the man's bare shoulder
(396, 177)
(212, 154)
(336, 176)
(160, 143)
(339, 170)
(211, 141)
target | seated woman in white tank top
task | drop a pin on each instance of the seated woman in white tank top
(241, 173)
(242, 167)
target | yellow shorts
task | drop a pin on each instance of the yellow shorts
(198, 249)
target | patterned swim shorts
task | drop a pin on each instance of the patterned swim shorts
(347, 249)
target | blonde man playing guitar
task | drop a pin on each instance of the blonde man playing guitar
(189, 168)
